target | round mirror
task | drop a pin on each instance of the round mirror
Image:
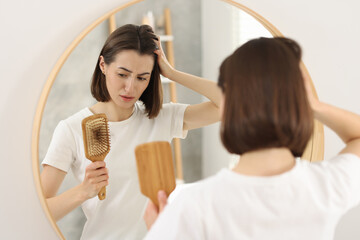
(198, 35)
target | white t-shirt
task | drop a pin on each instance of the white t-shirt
(303, 203)
(119, 216)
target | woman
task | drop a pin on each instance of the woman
(267, 118)
(126, 84)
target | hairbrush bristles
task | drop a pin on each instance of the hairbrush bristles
(96, 137)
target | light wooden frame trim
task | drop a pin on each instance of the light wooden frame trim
(41, 105)
(314, 152)
(172, 85)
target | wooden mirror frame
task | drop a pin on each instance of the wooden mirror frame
(313, 152)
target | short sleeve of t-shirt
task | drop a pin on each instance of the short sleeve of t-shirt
(61, 152)
(344, 175)
(175, 114)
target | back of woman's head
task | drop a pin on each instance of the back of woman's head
(266, 104)
(140, 39)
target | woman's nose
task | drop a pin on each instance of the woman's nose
(129, 84)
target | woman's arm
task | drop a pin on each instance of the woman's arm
(201, 114)
(198, 115)
(344, 123)
(96, 177)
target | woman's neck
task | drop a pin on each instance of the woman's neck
(113, 112)
(265, 162)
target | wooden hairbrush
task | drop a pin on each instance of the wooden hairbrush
(96, 140)
(155, 169)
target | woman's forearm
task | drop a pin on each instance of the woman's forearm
(200, 85)
(344, 123)
(64, 203)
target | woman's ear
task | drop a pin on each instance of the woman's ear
(222, 104)
(102, 64)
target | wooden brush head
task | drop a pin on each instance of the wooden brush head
(155, 169)
(96, 137)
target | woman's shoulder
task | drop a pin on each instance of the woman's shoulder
(73, 122)
(338, 160)
(334, 170)
(167, 109)
(78, 116)
(202, 187)
(172, 105)
(172, 109)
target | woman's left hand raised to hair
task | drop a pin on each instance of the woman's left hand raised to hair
(152, 211)
(197, 115)
(165, 67)
(313, 101)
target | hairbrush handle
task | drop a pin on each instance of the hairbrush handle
(102, 193)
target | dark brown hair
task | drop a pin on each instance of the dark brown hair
(130, 37)
(265, 99)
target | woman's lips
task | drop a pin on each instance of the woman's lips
(126, 98)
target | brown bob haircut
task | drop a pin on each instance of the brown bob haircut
(266, 105)
(140, 39)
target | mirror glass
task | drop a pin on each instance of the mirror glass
(204, 33)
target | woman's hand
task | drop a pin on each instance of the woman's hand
(96, 177)
(152, 211)
(198, 115)
(165, 68)
(313, 100)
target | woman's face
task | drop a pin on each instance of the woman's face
(127, 76)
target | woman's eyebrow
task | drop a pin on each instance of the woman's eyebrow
(131, 71)
(143, 73)
(125, 69)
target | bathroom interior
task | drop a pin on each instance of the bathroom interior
(200, 41)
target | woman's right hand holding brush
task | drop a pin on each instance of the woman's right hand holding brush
(96, 177)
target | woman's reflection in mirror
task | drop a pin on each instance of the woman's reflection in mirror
(126, 84)
(268, 109)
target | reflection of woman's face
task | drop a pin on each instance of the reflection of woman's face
(127, 76)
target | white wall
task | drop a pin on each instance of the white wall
(35, 33)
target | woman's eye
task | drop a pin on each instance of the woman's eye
(141, 78)
(122, 75)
